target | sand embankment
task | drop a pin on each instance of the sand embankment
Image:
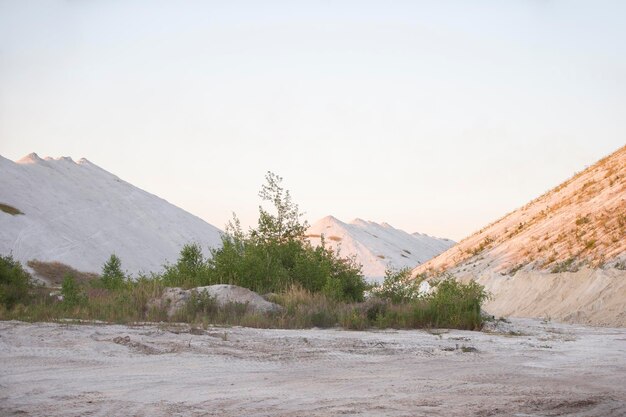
(590, 296)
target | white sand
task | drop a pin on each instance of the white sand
(71, 370)
(377, 246)
(79, 214)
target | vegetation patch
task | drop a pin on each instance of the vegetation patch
(582, 220)
(15, 282)
(55, 272)
(482, 246)
(314, 285)
(9, 209)
(565, 266)
(516, 268)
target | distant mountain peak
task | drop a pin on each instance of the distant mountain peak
(375, 246)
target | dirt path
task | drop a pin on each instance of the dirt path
(526, 368)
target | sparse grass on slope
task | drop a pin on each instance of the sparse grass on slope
(579, 223)
(54, 272)
(9, 209)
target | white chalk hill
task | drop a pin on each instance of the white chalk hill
(78, 214)
(376, 246)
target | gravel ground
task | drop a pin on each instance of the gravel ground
(522, 368)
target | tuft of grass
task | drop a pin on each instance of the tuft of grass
(10, 209)
(483, 245)
(582, 220)
(621, 265)
(516, 268)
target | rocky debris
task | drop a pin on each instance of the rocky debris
(136, 346)
(174, 299)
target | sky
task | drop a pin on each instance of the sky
(434, 116)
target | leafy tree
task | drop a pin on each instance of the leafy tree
(15, 282)
(284, 224)
(112, 276)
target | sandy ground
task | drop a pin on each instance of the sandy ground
(525, 368)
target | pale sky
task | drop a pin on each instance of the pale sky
(433, 116)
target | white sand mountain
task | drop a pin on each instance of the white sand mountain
(376, 246)
(78, 214)
(562, 255)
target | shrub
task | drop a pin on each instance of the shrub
(15, 282)
(72, 294)
(277, 255)
(457, 305)
(199, 305)
(398, 286)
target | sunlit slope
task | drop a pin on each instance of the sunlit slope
(561, 256)
(78, 214)
(580, 223)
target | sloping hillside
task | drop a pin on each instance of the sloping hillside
(78, 214)
(582, 222)
(563, 255)
(376, 246)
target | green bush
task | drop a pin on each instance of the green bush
(270, 258)
(456, 305)
(15, 282)
(275, 255)
(199, 305)
(398, 287)
(71, 292)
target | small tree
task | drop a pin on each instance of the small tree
(112, 276)
(190, 261)
(283, 225)
(190, 270)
